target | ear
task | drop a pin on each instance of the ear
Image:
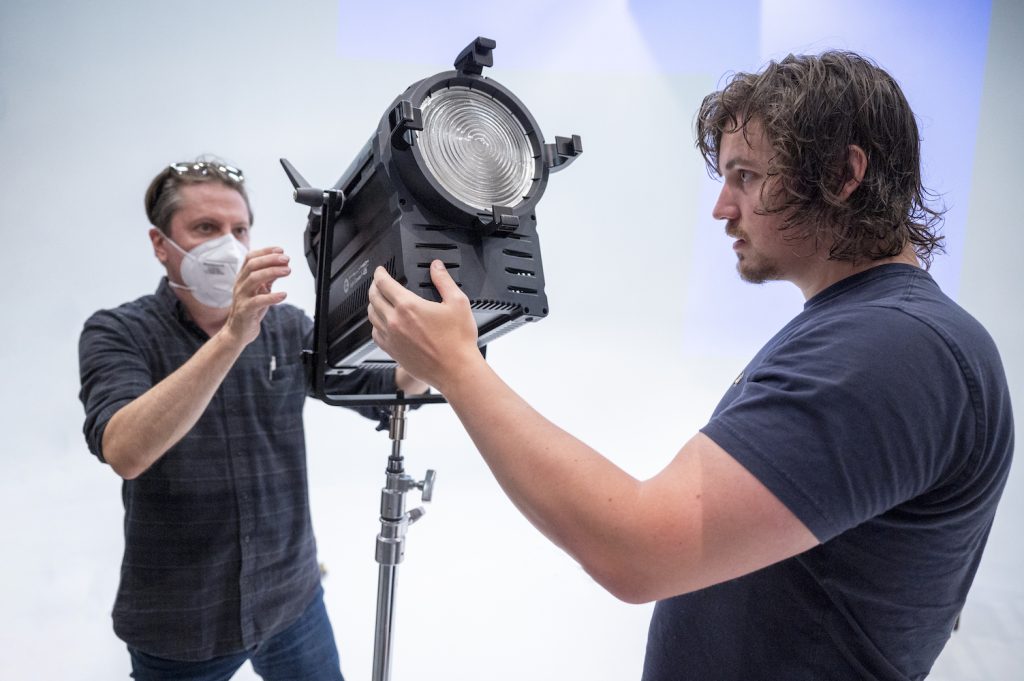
(857, 164)
(159, 244)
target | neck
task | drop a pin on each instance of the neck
(833, 271)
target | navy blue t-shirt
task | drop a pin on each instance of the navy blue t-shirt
(880, 416)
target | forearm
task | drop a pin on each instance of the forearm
(603, 517)
(702, 520)
(579, 499)
(142, 431)
(408, 383)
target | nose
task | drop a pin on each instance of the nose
(725, 208)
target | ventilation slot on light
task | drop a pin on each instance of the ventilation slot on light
(438, 247)
(490, 305)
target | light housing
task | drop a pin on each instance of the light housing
(453, 172)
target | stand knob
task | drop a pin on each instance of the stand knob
(427, 485)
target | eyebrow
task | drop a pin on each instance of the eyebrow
(738, 160)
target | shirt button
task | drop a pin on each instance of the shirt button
(246, 539)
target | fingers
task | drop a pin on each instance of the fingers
(430, 340)
(389, 289)
(258, 261)
(267, 250)
(260, 281)
(375, 294)
(264, 300)
(252, 296)
(261, 269)
(444, 283)
(375, 311)
(385, 294)
(379, 305)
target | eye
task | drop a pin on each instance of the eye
(241, 231)
(206, 228)
(745, 176)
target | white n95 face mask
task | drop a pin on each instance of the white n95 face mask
(209, 270)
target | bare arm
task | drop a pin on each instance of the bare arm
(408, 383)
(702, 520)
(141, 432)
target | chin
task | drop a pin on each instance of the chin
(754, 274)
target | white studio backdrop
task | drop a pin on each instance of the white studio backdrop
(648, 321)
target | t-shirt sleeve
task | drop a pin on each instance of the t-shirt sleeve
(849, 418)
(113, 372)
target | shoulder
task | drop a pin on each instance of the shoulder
(867, 368)
(914, 327)
(861, 338)
(894, 307)
(138, 313)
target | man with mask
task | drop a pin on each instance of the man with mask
(194, 396)
(827, 521)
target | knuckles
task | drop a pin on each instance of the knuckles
(404, 308)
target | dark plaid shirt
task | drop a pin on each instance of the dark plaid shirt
(219, 548)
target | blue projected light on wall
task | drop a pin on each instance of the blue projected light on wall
(936, 50)
(694, 38)
(943, 82)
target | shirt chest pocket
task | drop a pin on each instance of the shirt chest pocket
(283, 392)
(285, 369)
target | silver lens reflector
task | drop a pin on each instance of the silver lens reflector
(476, 148)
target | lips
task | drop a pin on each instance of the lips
(733, 232)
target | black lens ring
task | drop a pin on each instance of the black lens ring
(414, 170)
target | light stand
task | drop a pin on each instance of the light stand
(394, 522)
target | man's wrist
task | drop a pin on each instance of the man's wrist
(229, 341)
(462, 375)
(408, 383)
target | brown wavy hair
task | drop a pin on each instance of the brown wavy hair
(812, 108)
(163, 196)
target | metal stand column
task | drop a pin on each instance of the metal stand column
(394, 522)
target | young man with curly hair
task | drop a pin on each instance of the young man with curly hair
(827, 521)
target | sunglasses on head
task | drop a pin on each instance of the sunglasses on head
(206, 168)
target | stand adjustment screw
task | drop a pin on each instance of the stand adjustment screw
(427, 485)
